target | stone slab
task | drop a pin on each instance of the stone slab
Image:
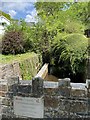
(29, 107)
(78, 86)
(48, 84)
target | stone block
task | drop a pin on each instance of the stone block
(6, 70)
(1, 100)
(51, 101)
(89, 105)
(64, 82)
(64, 87)
(10, 95)
(88, 87)
(0, 109)
(12, 80)
(37, 87)
(7, 88)
(6, 109)
(56, 114)
(7, 101)
(64, 91)
(78, 93)
(24, 89)
(78, 106)
(63, 114)
(51, 112)
(51, 91)
(3, 82)
(88, 93)
(0, 116)
(88, 83)
(75, 116)
(16, 69)
(2, 93)
(13, 88)
(3, 88)
(64, 105)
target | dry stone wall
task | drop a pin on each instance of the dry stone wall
(30, 65)
(8, 90)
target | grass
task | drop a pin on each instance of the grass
(4, 59)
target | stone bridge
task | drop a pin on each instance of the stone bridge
(39, 98)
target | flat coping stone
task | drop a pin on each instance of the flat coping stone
(49, 84)
(26, 82)
(81, 86)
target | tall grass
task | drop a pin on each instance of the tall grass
(11, 58)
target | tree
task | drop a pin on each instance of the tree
(58, 18)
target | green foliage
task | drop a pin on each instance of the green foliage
(28, 66)
(74, 27)
(28, 31)
(14, 26)
(65, 24)
(12, 43)
(5, 15)
(28, 63)
(81, 11)
(19, 57)
(56, 16)
(71, 50)
(58, 35)
(89, 47)
(29, 35)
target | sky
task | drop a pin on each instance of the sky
(17, 10)
(21, 9)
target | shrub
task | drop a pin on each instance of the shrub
(70, 53)
(12, 43)
(75, 51)
(74, 27)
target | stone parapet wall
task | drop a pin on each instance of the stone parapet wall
(8, 90)
(66, 101)
(62, 99)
